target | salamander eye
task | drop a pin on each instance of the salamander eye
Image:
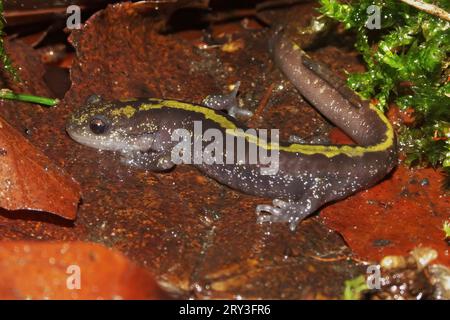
(99, 125)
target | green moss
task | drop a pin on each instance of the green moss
(407, 63)
(354, 287)
(4, 59)
(7, 65)
(446, 229)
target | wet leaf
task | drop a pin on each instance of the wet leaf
(29, 180)
(392, 218)
(75, 270)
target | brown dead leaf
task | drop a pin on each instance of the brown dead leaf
(29, 180)
(75, 270)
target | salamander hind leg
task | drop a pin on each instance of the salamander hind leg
(228, 103)
(286, 211)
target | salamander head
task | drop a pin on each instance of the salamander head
(112, 126)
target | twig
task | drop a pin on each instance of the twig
(429, 8)
(8, 94)
(261, 106)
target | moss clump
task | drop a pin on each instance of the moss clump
(407, 62)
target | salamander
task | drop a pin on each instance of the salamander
(307, 176)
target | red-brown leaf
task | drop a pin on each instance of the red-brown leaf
(40, 270)
(29, 180)
(405, 211)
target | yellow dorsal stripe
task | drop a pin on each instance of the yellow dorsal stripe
(232, 129)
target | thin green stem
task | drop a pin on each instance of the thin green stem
(8, 94)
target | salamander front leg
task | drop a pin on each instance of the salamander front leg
(228, 102)
(153, 161)
(285, 211)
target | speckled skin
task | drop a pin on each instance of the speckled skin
(141, 130)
